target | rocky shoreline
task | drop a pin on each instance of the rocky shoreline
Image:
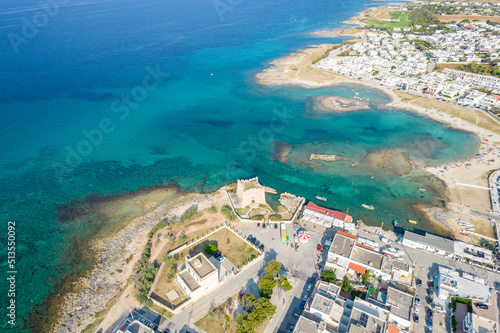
(115, 260)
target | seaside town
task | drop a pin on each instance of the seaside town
(417, 62)
(298, 266)
(248, 258)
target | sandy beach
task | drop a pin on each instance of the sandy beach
(464, 178)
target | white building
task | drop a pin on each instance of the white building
(449, 283)
(198, 276)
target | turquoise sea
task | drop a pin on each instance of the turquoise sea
(106, 97)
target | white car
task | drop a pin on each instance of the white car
(438, 308)
(309, 287)
(306, 296)
(417, 300)
(417, 309)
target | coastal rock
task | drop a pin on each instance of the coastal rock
(325, 104)
(327, 158)
(392, 160)
(355, 164)
(281, 151)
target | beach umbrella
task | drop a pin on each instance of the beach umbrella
(304, 236)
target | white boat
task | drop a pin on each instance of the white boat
(370, 207)
(320, 198)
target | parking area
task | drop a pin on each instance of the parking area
(302, 265)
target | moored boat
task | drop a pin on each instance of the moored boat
(412, 221)
(463, 233)
(370, 207)
(320, 198)
(396, 223)
(422, 189)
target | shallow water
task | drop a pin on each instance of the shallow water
(195, 129)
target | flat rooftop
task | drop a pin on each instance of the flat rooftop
(305, 325)
(342, 245)
(201, 266)
(189, 280)
(367, 257)
(400, 302)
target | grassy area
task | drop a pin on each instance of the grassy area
(222, 319)
(404, 22)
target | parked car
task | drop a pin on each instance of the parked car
(430, 292)
(419, 282)
(415, 318)
(429, 300)
(291, 329)
(438, 308)
(249, 238)
(319, 247)
(309, 287)
(263, 226)
(430, 313)
(261, 247)
(429, 322)
(296, 227)
(417, 300)
(302, 304)
(482, 306)
(417, 309)
(257, 243)
(306, 296)
(276, 226)
(258, 225)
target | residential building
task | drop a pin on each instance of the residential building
(449, 283)
(429, 242)
(198, 276)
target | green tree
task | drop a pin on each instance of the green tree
(211, 249)
(366, 276)
(329, 276)
(346, 286)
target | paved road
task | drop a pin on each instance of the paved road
(301, 266)
(245, 280)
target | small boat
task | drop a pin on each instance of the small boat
(422, 189)
(412, 221)
(470, 229)
(320, 198)
(396, 223)
(370, 207)
(463, 233)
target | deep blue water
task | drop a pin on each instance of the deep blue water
(72, 74)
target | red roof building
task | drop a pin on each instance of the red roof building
(329, 212)
(357, 268)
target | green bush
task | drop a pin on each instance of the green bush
(188, 214)
(228, 212)
(158, 226)
(258, 218)
(211, 249)
(276, 218)
(456, 300)
(212, 210)
(453, 323)
(329, 276)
